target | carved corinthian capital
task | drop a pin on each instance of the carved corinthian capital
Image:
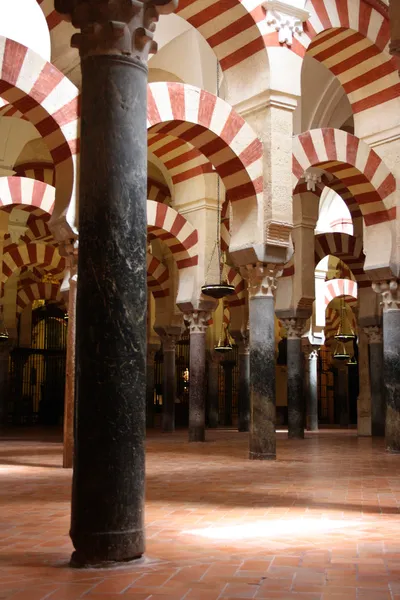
(294, 327)
(390, 294)
(124, 27)
(374, 334)
(197, 321)
(262, 278)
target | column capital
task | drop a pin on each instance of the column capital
(390, 294)
(374, 334)
(295, 327)
(168, 341)
(151, 353)
(262, 278)
(311, 352)
(197, 321)
(114, 27)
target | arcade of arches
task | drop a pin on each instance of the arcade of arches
(149, 148)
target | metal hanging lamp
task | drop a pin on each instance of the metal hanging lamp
(3, 329)
(225, 339)
(345, 332)
(340, 352)
(221, 289)
(352, 362)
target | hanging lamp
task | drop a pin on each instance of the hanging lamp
(340, 352)
(221, 289)
(345, 332)
(225, 339)
(352, 362)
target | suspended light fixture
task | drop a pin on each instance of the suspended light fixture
(345, 332)
(340, 352)
(352, 362)
(66, 317)
(225, 339)
(3, 329)
(221, 289)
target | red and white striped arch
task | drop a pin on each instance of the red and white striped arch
(40, 171)
(238, 298)
(335, 288)
(214, 129)
(346, 247)
(157, 277)
(26, 191)
(158, 191)
(167, 225)
(355, 164)
(49, 100)
(39, 255)
(37, 291)
(351, 38)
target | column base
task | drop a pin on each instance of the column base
(243, 429)
(296, 436)
(261, 456)
(392, 450)
(378, 431)
(312, 428)
(99, 551)
(197, 434)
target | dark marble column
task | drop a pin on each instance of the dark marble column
(150, 409)
(262, 285)
(107, 524)
(69, 398)
(169, 383)
(391, 361)
(213, 389)
(378, 408)
(197, 321)
(244, 385)
(295, 369)
(342, 395)
(5, 348)
(312, 390)
(228, 385)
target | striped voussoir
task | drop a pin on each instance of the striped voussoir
(346, 247)
(50, 101)
(167, 225)
(351, 38)
(335, 288)
(214, 130)
(341, 225)
(37, 291)
(157, 277)
(238, 298)
(29, 192)
(158, 191)
(352, 162)
(40, 171)
(39, 255)
(225, 231)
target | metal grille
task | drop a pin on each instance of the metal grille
(37, 374)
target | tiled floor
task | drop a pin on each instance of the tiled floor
(321, 523)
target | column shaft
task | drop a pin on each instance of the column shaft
(244, 390)
(312, 404)
(342, 396)
(197, 386)
(391, 377)
(150, 389)
(378, 408)
(295, 388)
(213, 393)
(169, 389)
(262, 377)
(108, 482)
(228, 375)
(69, 399)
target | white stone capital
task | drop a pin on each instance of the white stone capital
(286, 19)
(390, 294)
(197, 321)
(312, 176)
(294, 327)
(262, 278)
(374, 334)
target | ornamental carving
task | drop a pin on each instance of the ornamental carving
(390, 294)
(286, 19)
(197, 321)
(124, 27)
(169, 342)
(262, 279)
(294, 327)
(374, 334)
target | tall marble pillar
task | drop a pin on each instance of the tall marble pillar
(262, 285)
(69, 397)
(228, 391)
(342, 395)
(295, 369)
(312, 398)
(197, 321)
(378, 408)
(107, 524)
(244, 385)
(213, 389)
(391, 361)
(150, 377)
(169, 383)
(5, 348)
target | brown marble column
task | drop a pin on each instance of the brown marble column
(5, 348)
(107, 513)
(262, 279)
(244, 384)
(378, 408)
(197, 322)
(390, 293)
(295, 373)
(213, 389)
(228, 366)
(69, 399)
(169, 383)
